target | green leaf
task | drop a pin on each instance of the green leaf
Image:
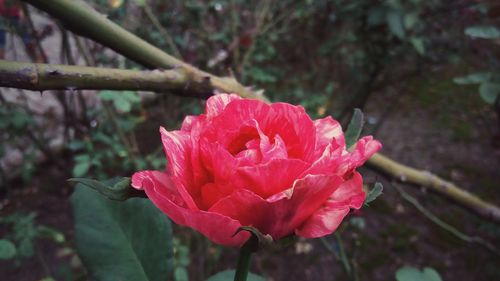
(484, 32)
(418, 44)
(20, 120)
(354, 128)
(7, 249)
(122, 104)
(376, 16)
(410, 20)
(117, 189)
(414, 274)
(375, 192)
(81, 168)
(431, 274)
(121, 99)
(129, 240)
(131, 96)
(181, 274)
(228, 275)
(394, 20)
(45, 231)
(25, 247)
(474, 78)
(108, 95)
(140, 3)
(489, 91)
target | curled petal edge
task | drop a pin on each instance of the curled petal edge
(216, 227)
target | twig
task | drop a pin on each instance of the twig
(451, 229)
(34, 34)
(121, 134)
(164, 33)
(87, 57)
(260, 18)
(424, 178)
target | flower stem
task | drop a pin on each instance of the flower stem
(245, 258)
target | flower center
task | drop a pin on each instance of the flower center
(248, 138)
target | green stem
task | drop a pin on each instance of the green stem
(245, 258)
(342, 254)
(439, 222)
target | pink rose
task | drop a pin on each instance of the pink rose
(248, 163)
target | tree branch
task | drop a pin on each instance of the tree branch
(41, 77)
(80, 18)
(424, 178)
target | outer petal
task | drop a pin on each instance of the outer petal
(216, 104)
(365, 148)
(178, 148)
(217, 227)
(282, 217)
(326, 219)
(337, 160)
(327, 129)
(189, 122)
(193, 125)
(328, 163)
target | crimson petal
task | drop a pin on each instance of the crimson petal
(279, 218)
(161, 190)
(326, 219)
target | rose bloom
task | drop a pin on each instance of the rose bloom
(248, 163)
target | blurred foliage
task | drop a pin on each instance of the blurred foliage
(415, 274)
(111, 143)
(22, 232)
(330, 56)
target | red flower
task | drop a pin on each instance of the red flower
(247, 163)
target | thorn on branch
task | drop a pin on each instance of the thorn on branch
(54, 72)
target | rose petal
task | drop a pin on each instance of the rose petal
(350, 193)
(216, 227)
(290, 122)
(225, 128)
(323, 222)
(217, 103)
(270, 151)
(194, 125)
(269, 178)
(282, 217)
(327, 129)
(326, 219)
(221, 166)
(178, 147)
(364, 149)
(218, 162)
(328, 163)
(189, 122)
(295, 126)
